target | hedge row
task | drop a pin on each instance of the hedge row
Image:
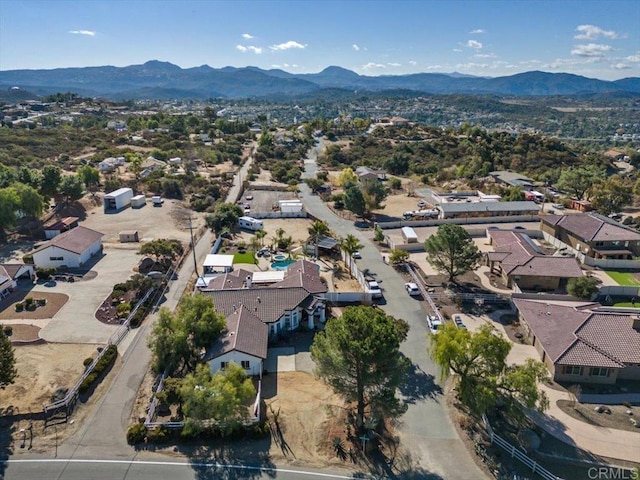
(105, 362)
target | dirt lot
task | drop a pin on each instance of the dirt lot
(395, 205)
(618, 418)
(296, 227)
(55, 301)
(264, 200)
(39, 376)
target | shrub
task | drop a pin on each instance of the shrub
(41, 302)
(87, 361)
(105, 362)
(8, 330)
(28, 259)
(138, 317)
(45, 273)
(136, 433)
(29, 304)
(19, 307)
(87, 382)
(158, 435)
(123, 309)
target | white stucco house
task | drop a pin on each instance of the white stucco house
(10, 273)
(70, 249)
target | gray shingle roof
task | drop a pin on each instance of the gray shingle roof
(245, 333)
(494, 207)
(303, 274)
(591, 227)
(580, 353)
(76, 240)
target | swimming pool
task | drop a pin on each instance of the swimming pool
(282, 264)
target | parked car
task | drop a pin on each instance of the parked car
(434, 323)
(412, 289)
(374, 289)
(558, 206)
(356, 255)
(457, 319)
(249, 197)
(422, 204)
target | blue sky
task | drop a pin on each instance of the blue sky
(599, 39)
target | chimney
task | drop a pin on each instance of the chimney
(635, 323)
(248, 282)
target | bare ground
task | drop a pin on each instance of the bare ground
(55, 301)
(618, 418)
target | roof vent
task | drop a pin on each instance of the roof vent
(635, 323)
(258, 299)
(234, 307)
(231, 334)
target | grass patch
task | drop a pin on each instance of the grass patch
(247, 257)
(624, 278)
(627, 304)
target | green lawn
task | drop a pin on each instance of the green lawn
(624, 278)
(627, 305)
(246, 257)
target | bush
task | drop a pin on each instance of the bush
(105, 362)
(87, 361)
(28, 259)
(8, 330)
(29, 304)
(19, 307)
(45, 273)
(123, 309)
(136, 433)
(158, 435)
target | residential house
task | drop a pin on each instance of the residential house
(399, 121)
(10, 273)
(60, 226)
(244, 342)
(487, 209)
(71, 249)
(512, 179)
(583, 343)
(366, 173)
(593, 235)
(524, 266)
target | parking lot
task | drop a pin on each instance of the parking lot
(264, 201)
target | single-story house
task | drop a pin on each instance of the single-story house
(521, 263)
(593, 235)
(512, 179)
(583, 343)
(244, 342)
(71, 249)
(10, 273)
(487, 209)
(366, 173)
(60, 226)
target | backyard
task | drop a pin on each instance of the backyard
(629, 279)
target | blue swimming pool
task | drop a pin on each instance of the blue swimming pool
(282, 264)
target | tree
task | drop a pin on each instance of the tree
(31, 202)
(222, 396)
(8, 371)
(610, 195)
(90, 176)
(452, 251)
(347, 176)
(374, 193)
(378, 235)
(71, 187)
(224, 217)
(9, 205)
(513, 194)
(354, 200)
(314, 184)
(319, 228)
(164, 251)
(30, 176)
(583, 287)
(358, 355)
(350, 245)
(51, 178)
(260, 234)
(578, 180)
(398, 256)
(483, 379)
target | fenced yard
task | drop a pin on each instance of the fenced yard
(629, 279)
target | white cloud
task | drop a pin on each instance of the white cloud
(477, 31)
(249, 48)
(434, 67)
(633, 58)
(457, 50)
(591, 32)
(88, 33)
(474, 44)
(591, 50)
(287, 45)
(485, 55)
(621, 66)
(371, 65)
(413, 62)
(394, 64)
(247, 36)
(355, 47)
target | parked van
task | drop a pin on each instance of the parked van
(250, 223)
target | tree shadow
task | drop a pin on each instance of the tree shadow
(392, 463)
(7, 430)
(419, 385)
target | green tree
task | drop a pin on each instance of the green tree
(583, 287)
(9, 205)
(378, 235)
(319, 228)
(71, 187)
(374, 193)
(224, 217)
(314, 184)
(30, 176)
(347, 176)
(260, 234)
(8, 371)
(611, 195)
(164, 251)
(350, 245)
(354, 200)
(479, 363)
(222, 396)
(513, 194)
(398, 256)
(51, 178)
(452, 251)
(578, 180)
(358, 355)
(90, 177)
(31, 202)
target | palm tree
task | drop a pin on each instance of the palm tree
(318, 229)
(260, 234)
(350, 245)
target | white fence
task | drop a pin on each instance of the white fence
(355, 271)
(261, 215)
(517, 453)
(418, 281)
(459, 221)
(347, 297)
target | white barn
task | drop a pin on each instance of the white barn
(71, 249)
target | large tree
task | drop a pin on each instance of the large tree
(8, 371)
(452, 251)
(611, 195)
(578, 180)
(318, 228)
(583, 287)
(51, 178)
(31, 202)
(358, 355)
(354, 200)
(374, 193)
(483, 378)
(71, 188)
(347, 177)
(164, 251)
(90, 176)
(224, 217)
(350, 245)
(9, 205)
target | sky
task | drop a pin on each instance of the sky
(594, 38)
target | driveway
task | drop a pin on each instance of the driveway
(75, 322)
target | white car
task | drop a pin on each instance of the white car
(249, 197)
(435, 324)
(356, 255)
(422, 204)
(412, 289)
(374, 289)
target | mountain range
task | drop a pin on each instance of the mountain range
(164, 80)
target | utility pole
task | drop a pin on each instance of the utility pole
(193, 248)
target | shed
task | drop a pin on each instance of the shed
(118, 199)
(127, 236)
(216, 263)
(60, 226)
(409, 235)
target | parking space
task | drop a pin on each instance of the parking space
(265, 201)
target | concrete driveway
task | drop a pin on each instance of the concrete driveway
(75, 322)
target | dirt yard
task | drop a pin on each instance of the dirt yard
(618, 418)
(55, 301)
(296, 227)
(395, 205)
(39, 376)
